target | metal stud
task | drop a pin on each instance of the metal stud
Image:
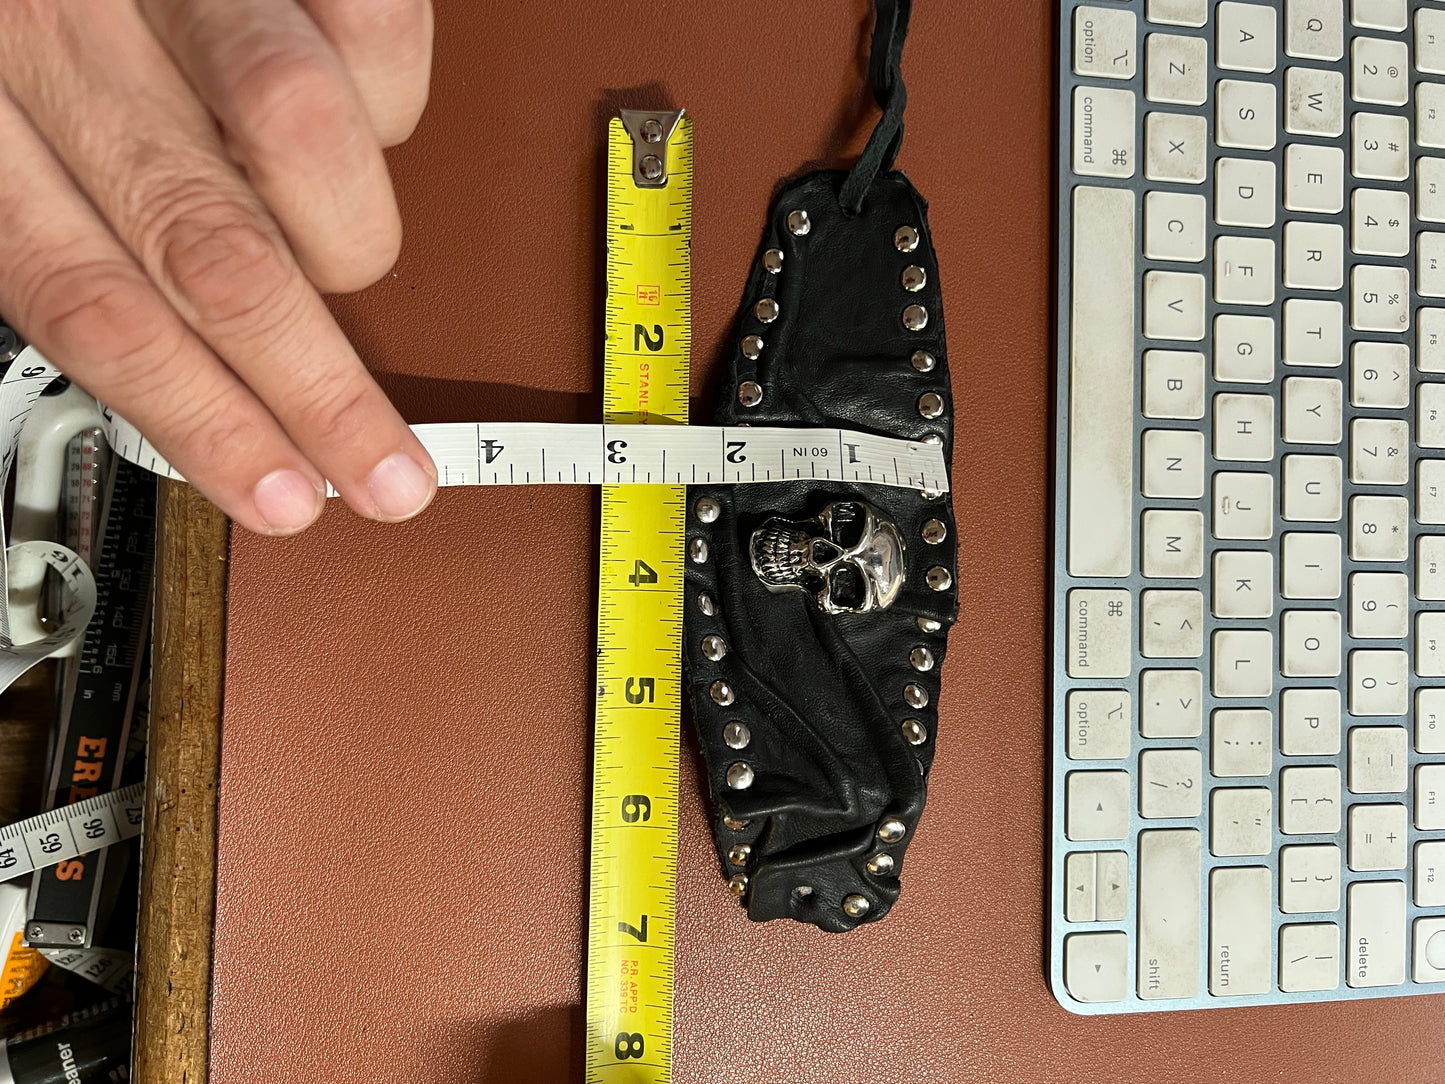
(930, 404)
(914, 695)
(766, 310)
(915, 318)
(697, 550)
(740, 854)
(921, 659)
(740, 775)
(737, 735)
(738, 884)
(914, 731)
(799, 223)
(651, 166)
(932, 438)
(914, 278)
(707, 509)
(934, 531)
(892, 830)
(880, 865)
(714, 648)
(856, 906)
(706, 604)
(735, 825)
(750, 393)
(930, 494)
(905, 238)
(939, 578)
(752, 346)
(652, 130)
(773, 260)
(923, 361)
(928, 624)
(721, 693)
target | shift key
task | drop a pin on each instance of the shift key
(1100, 633)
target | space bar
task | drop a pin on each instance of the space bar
(1101, 384)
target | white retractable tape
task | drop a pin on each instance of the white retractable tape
(111, 969)
(70, 830)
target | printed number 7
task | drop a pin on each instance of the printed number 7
(638, 932)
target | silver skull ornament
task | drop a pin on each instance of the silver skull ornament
(849, 558)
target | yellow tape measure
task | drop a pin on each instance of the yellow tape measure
(633, 887)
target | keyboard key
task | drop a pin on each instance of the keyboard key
(1241, 821)
(1379, 837)
(1241, 910)
(1244, 428)
(1096, 884)
(1311, 566)
(1311, 643)
(1245, 37)
(1242, 663)
(1314, 177)
(1430, 41)
(1100, 724)
(1309, 956)
(1430, 873)
(1430, 644)
(1314, 333)
(1430, 418)
(1380, 146)
(1098, 805)
(1174, 230)
(1104, 43)
(1244, 193)
(1101, 384)
(1177, 69)
(1103, 132)
(1430, 568)
(1244, 348)
(1380, 222)
(1430, 342)
(1244, 114)
(1430, 114)
(1171, 624)
(1430, 720)
(1170, 703)
(1430, 264)
(1241, 742)
(1079, 891)
(1379, 71)
(1380, 455)
(1175, 147)
(1177, 12)
(1309, 879)
(1429, 963)
(1312, 410)
(1173, 544)
(1243, 583)
(1169, 900)
(1379, 298)
(1430, 491)
(1173, 305)
(1313, 488)
(1096, 966)
(1243, 271)
(1430, 189)
(1314, 102)
(1243, 506)
(1379, 682)
(1378, 759)
(1173, 384)
(1376, 933)
(1100, 632)
(1173, 463)
(1170, 783)
(1430, 797)
(1310, 722)
(1314, 29)
(1314, 255)
(1379, 528)
(1380, 374)
(1309, 801)
(1379, 14)
(1379, 605)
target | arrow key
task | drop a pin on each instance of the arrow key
(1096, 966)
(1111, 886)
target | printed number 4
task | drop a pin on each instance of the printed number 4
(642, 573)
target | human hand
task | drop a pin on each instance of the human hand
(179, 180)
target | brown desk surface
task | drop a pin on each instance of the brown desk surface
(381, 680)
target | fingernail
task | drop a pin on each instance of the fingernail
(400, 487)
(287, 501)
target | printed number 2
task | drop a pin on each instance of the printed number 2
(640, 336)
(629, 1045)
(642, 573)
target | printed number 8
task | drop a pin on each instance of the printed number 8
(629, 1045)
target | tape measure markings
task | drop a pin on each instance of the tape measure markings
(69, 831)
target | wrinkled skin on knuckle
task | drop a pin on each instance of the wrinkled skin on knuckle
(290, 100)
(101, 316)
(339, 415)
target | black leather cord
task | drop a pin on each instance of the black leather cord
(885, 72)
